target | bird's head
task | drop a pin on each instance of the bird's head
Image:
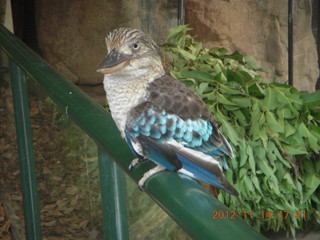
(130, 49)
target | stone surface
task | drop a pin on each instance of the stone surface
(259, 29)
(71, 33)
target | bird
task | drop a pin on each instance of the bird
(160, 118)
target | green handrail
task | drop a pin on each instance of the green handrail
(26, 154)
(113, 195)
(181, 197)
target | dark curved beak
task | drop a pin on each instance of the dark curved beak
(113, 59)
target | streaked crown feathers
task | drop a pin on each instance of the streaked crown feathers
(129, 36)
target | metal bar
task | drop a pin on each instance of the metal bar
(113, 195)
(290, 42)
(183, 198)
(181, 12)
(26, 155)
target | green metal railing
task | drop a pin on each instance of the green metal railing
(27, 165)
(182, 198)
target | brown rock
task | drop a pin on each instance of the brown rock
(71, 33)
(259, 28)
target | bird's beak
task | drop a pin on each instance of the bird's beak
(114, 62)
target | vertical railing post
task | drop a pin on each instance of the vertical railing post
(290, 42)
(113, 195)
(26, 154)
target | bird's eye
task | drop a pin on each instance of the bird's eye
(135, 46)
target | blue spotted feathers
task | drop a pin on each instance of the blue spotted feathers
(181, 137)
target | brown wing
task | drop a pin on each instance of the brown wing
(174, 97)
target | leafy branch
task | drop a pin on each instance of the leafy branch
(274, 130)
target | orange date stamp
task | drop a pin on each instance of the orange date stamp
(258, 215)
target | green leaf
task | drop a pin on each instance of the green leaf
(260, 152)
(252, 162)
(264, 166)
(202, 88)
(311, 99)
(272, 123)
(243, 154)
(195, 50)
(313, 141)
(280, 171)
(287, 177)
(242, 172)
(312, 183)
(274, 185)
(250, 63)
(288, 114)
(204, 68)
(227, 129)
(315, 130)
(222, 99)
(240, 118)
(234, 77)
(255, 128)
(198, 75)
(229, 90)
(218, 51)
(198, 48)
(186, 54)
(248, 184)
(318, 167)
(272, 147)
(270, 100)
(246, 73)
(255, 113)
(178, 35)
(308, 166)
(303, 130)
(220, 77)
(285, 97)
(289, 129)
(257, 90)
(234, 163)
(242, 101)
(263, 136)
(217, 68)
(236, 55)
(256, 183)
(294, 151)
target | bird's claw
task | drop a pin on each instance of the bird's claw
(135, 162)
(148, 174)
(141, 187)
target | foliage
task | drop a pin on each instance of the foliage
(273, 128)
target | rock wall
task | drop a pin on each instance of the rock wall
(71, 33)
(259, 28)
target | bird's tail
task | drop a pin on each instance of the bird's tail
(205, 169)
(198, 165)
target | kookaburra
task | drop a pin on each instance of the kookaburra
(160, 118)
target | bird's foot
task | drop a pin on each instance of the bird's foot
(135, 162)
(148, 174)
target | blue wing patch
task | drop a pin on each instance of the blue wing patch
(180, 145)
(197, 134)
